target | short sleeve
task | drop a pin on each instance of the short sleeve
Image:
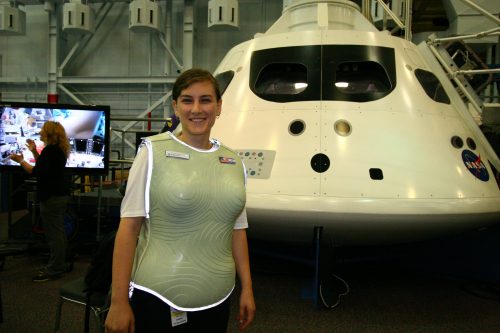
(134, 201)
(241, 221)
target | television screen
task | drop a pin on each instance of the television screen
(87, 128)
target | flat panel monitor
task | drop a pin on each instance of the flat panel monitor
(87, 128)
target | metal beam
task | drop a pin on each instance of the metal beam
(170, 52)
(474, 71)
(391, 14)
(483, 11)
(70, 94)
(483, 34)
(117, 79)
(156, 104)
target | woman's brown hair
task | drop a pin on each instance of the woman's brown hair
(56, 135)
(191, 76)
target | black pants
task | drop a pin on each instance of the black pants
(152, 315)
(52, 211)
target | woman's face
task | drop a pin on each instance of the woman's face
(197, 107)
(43, 134)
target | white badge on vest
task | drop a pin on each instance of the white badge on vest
(178, 317)
(176, 154)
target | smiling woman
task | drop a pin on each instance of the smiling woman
(191, 225)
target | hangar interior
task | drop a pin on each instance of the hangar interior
(114, 59)
(115, 55)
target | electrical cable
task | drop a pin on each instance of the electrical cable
(339, 295)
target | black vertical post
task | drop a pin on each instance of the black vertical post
(99, 197)
(318, 230)
(10, 205)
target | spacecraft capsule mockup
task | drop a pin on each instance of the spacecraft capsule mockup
(342, 126)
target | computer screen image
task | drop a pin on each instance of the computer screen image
(87, 128)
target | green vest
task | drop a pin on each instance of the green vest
(184, 253)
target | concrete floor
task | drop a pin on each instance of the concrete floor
(446, 285)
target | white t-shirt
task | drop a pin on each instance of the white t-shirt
(134, 202)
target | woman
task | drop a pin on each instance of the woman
(183, 225)
(53, 193)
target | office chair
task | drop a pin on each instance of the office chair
(91, 290)
(75, 291)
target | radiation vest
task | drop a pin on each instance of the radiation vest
(184, 251)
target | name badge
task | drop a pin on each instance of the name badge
(178, 317)
(176, 154)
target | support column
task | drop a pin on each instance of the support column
(318, 233)
(488, 92)
(167, 19)
(366, 9)
(408, 18)
(496, 86)
(187, 55)
(52, 96)
(168, 63)
(1, 73)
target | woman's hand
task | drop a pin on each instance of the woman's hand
(31, 145)
(240, 255)
(120, 319)
(247, 309)
(17, 157)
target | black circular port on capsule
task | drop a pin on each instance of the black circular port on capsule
(320, 163)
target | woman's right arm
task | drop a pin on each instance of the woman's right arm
(120, 318)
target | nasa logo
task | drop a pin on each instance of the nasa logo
(475, 165)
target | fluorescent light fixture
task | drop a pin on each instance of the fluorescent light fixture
(12, 20)
(78, 17)
(145, 16)
(223, 14)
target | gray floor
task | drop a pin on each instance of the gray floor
(450, 285)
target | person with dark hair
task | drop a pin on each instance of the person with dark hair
(182, 235)
(53, 193)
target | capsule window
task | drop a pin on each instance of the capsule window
(457, 142)
(297, 127)
(361, 77)
(223, 79)
(342, 127)
(432, 86)
(353, 73)
(471, 143)
(282, 79)
(320, 163)
(376, 174)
